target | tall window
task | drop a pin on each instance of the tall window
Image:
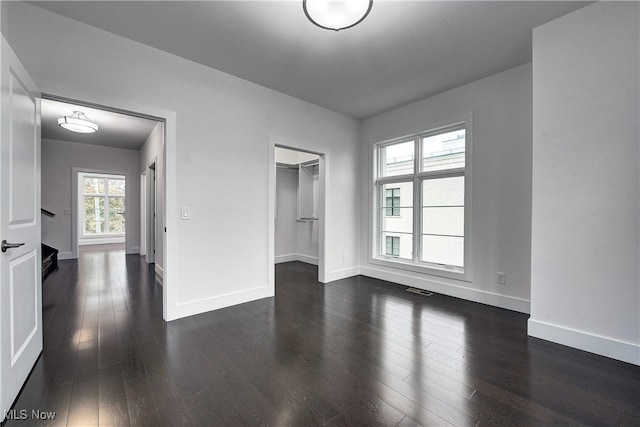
(420, 198)
(103, 198)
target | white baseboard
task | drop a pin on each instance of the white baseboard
(296, 257)
(66, 255)
(604, 346)
(159, 270)
(133, 250)
(308, 259)
(189, 308)
(342, 274)
(279, 259)
(431, 284)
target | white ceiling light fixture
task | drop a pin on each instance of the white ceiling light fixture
(78, 122)
(336, 15)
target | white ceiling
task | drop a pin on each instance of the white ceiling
(116, 130)
(404, 51)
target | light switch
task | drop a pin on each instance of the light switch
(186, 213)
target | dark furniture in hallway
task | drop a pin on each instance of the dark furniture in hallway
(49, 260)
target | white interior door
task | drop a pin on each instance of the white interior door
(21, 274)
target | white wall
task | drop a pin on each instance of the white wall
(220, 139)
(501, 178)
(58, 160)
(585, 251)
(153, 150)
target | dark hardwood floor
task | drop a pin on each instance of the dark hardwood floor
(357, 351)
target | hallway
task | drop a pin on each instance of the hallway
(357, 351)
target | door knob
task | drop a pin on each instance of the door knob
(6, 245)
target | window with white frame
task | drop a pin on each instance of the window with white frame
(103, 205)
(422, 208)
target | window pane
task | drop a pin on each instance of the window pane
(448, 221)
(401, 223)
(443, 151)
(443, 250)
(397, 245)
(397, 159)
(392, 202)
(443, 191)
(443, 221)
(116, 215)
(443, 206)
(94, 219)
(392, 245)
(397, 207)
(396, 214)
(398, 192)
(93, 186)
(116, 187)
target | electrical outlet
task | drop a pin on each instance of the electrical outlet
(501, 278)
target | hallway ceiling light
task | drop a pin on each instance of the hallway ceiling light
(77, 122)
(336, 15)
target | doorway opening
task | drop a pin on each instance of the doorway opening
(297, 211)
(103, 205)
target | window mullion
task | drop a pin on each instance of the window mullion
(416, 200)
(416, 220)
(106, 206)
(442, 173)
(380, 217)
(394, 179)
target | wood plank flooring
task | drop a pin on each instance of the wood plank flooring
(357, 351)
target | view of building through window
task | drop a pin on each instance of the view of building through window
(433, 232)
(392, 246)
(393, 201)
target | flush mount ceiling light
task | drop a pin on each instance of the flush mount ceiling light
(77, 122)
(336, 15)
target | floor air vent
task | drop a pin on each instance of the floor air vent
(419, 292)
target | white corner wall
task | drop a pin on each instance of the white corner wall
(585, 289)
(59, 158)
(217, 153)
(153, 149)
(501, 185)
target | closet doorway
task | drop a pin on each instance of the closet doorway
(298, 197)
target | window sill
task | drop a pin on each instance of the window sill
(420, 268)
(102, 235)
